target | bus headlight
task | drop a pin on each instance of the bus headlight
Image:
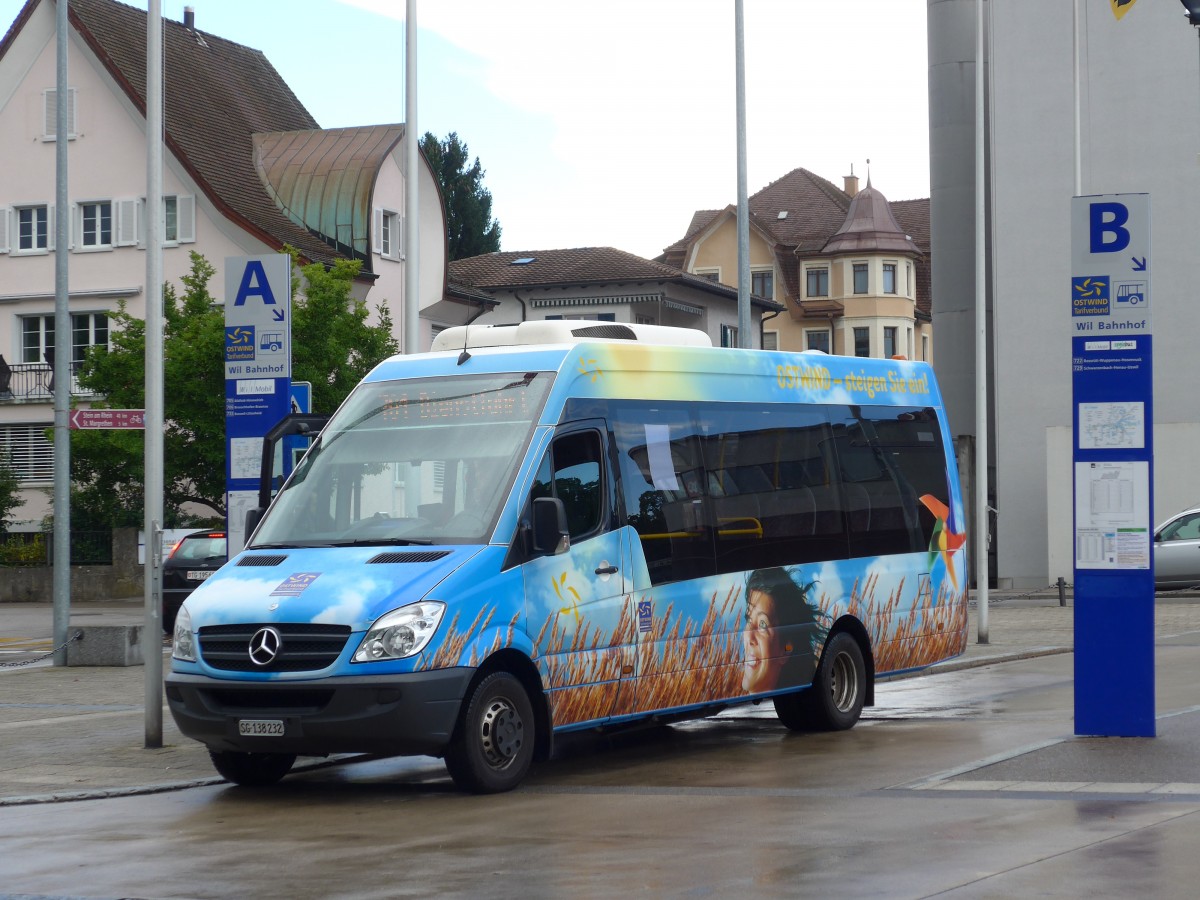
(183, 646)
(401, 633)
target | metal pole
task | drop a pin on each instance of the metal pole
(62, 352)
(743, 209)
(412, 174)
(981, 372)
(1075, 43)
(152, 654)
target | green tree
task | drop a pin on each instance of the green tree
(10, 498)
(469, 221)
(333, 346)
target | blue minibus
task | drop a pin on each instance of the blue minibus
(568, 525)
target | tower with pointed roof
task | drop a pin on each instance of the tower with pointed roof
(850, 267)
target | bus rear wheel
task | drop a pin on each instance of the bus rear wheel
(492, 747)
(839, 689)
(251, 769)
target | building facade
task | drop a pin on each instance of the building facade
(246, 171)
(607, 285)
(1139, 132)
(850, 269)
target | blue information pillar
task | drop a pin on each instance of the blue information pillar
(258, 372)
(1113, 392)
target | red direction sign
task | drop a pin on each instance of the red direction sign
(129, 419)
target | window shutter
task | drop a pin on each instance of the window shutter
(129, 228)
(185, 214)
(51, 227)
(50, 122)
(4, 213)
(377, 231)
(76, 229)
(399, 245)
(141, 223)
(50, 105)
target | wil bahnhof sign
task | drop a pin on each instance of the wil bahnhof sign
(1113, 454)
(258, 373)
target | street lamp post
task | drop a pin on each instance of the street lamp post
(1193, 13)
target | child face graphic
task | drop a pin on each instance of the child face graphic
(764, 653)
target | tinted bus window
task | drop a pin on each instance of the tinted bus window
(769, 477)
(662, 485)
(888, 457)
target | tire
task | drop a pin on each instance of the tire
(251, 769)
(840, 686)
(792, 710)
(839, 689)
(493, 743)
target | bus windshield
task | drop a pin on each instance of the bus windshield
(417, 461)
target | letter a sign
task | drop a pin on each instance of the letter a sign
(258, 328)
(258, 371)
(255, 284)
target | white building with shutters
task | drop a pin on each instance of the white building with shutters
(246, 171)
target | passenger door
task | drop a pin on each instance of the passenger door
(579, 615)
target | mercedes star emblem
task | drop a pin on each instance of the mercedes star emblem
(265, 646)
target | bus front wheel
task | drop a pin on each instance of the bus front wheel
(839, 689)
(492, 747)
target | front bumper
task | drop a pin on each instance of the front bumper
(394, 715)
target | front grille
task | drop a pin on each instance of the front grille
(304, 647)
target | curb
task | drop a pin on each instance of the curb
(958, 664)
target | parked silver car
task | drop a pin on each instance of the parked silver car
(1177, 551)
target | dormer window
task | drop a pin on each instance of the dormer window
(817, 283)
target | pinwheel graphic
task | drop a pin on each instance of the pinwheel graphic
(573, 601)
(946, 540)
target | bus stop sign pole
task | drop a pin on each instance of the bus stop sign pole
(1113, 455)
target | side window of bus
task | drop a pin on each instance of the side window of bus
(888, 457)
(772, 493)
(663, 488)
(572, 471)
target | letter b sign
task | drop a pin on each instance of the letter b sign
(1106, 226)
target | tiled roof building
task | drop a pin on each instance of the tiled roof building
(851, 269)
(605, 284)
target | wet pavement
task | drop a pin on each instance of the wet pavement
(72, 732)
(965, 781)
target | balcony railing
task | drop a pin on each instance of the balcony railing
(34, 382)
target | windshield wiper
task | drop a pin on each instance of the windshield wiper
(279, 546)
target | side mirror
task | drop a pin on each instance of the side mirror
(253, 517)
(550, 526)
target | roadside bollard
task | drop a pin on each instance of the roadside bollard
(1062, 591)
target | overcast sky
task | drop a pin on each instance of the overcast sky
(609, 123)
